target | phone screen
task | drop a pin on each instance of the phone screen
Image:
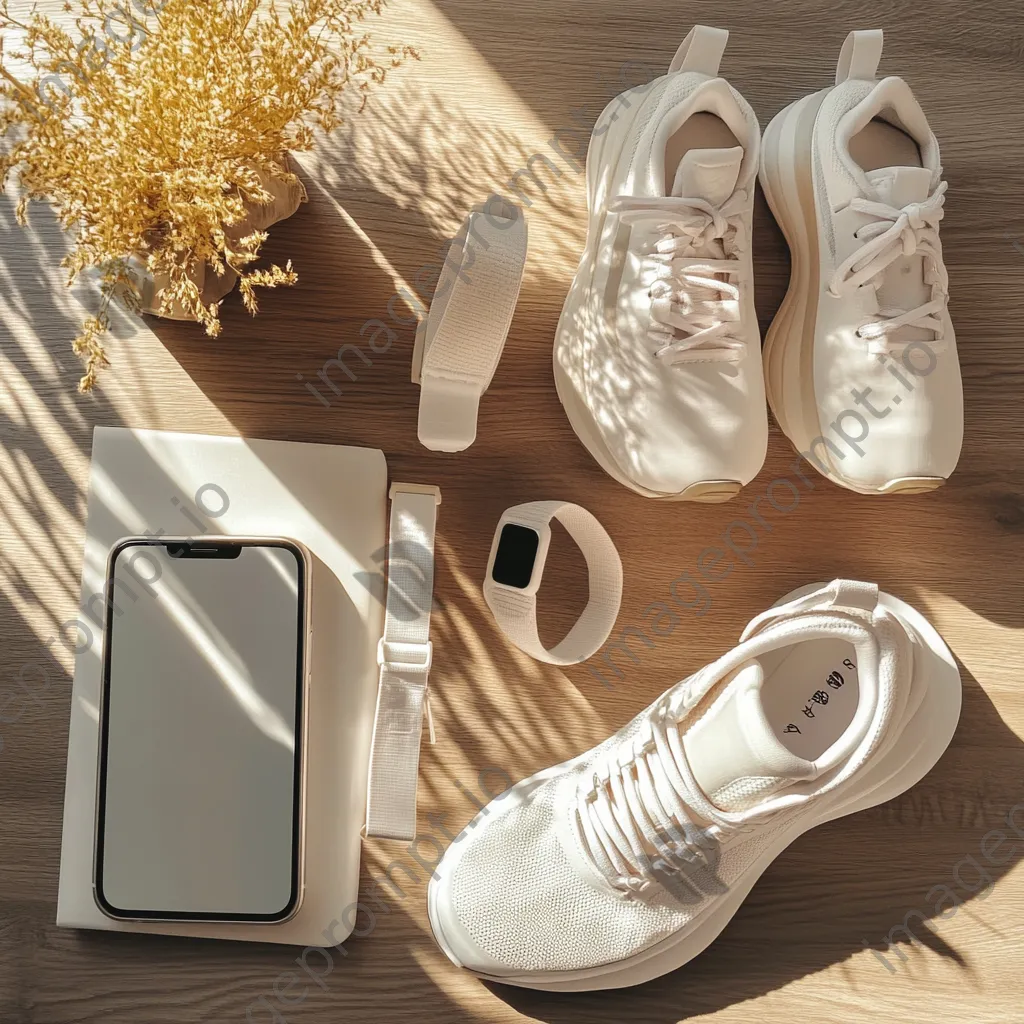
(200, 795)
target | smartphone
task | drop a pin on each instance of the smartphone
(200, 802)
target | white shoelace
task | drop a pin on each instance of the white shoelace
(694, 300)
(896, 232)
(644, 832)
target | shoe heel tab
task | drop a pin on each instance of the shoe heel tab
(701, 51)
(859, 57)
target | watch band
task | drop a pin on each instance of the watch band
(515, 607)
(404, 654)
(460, 341)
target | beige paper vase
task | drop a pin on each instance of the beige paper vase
(212, 288)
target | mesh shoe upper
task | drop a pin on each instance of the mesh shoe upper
(914, 373)
(665, 424)
(521, 891)
(555, 916)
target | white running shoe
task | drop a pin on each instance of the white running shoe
(625, 862)
(657, 354)
(860, 362)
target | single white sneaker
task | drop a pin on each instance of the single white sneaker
(657, 354)
(860, 362)
(625, 862)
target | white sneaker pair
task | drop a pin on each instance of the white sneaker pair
(657, 355)
(625, 862)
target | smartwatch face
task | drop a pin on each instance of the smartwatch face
(515, 557)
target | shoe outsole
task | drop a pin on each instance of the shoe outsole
(912, 485)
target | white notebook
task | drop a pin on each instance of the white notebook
(334, 500)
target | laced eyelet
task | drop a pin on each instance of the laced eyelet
(687, 698)
(624, 759)
(632, 888)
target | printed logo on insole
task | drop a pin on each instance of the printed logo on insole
(815, 709)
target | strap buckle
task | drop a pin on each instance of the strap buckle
(403, 488)
(448, 414)
(405, 658)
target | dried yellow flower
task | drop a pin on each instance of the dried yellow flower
(155, 131)
(275, 277)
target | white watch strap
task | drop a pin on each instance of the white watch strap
(404, 654)
(460, 341)
(515, 611)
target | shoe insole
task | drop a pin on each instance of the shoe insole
(881, 144)
(698, 131)
(810, 694)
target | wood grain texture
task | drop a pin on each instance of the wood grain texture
(496, 85)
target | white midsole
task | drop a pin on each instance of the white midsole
(923, 740)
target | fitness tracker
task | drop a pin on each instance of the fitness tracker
(516, 566)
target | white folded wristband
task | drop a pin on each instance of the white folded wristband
(404, 654)
(460, 341)
(516, 566)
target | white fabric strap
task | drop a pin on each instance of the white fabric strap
(404, 654)
(515, 611)
(460, 341)
(859, 56)
(701, 51)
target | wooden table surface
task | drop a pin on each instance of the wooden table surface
(496, 85)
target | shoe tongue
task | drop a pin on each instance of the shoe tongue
(903, 285)
(708, 174)
(899, 186)
(733, 753)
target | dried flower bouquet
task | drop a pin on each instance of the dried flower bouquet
(160, 134)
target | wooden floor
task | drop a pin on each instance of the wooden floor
(497, 83)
